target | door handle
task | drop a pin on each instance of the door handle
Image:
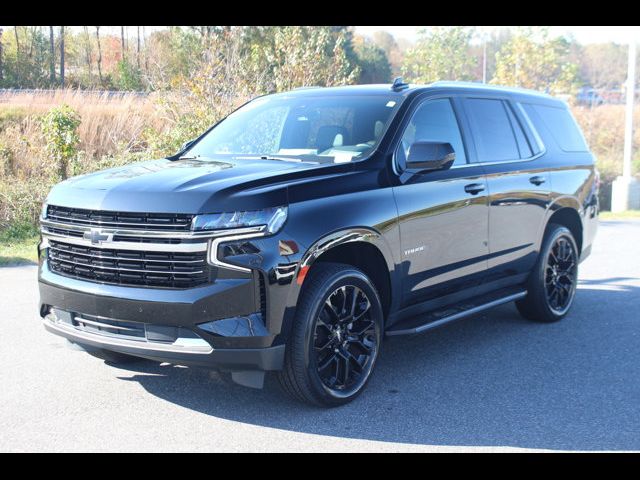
(474, 188)
(537, 180)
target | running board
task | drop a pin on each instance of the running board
(436, 319)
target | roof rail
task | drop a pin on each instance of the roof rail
(398, 84)
(308, 87)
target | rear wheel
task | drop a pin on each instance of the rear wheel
(336, 336)
(552, 285)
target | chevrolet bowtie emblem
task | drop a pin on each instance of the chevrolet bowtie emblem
(97, 237)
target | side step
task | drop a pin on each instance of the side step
(437, 318)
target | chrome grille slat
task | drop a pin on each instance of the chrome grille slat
(158, 221)
(124, 269)
(80, 319)
(202, 261)
(113, 224)
(128, 267)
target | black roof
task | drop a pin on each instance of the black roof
(385, 89)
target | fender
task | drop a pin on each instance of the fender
(341, 237)
(349, 235)
(557, 203)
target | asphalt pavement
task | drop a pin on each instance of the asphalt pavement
(492, 382)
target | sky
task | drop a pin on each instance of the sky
(583, 34)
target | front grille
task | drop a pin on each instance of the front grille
(173, 222)
(129, 267)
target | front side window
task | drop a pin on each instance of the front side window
(433, 121)
(338, 128)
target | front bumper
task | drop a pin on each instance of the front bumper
(185, 310)
(262, 359)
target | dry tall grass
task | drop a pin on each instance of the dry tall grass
(111, 123)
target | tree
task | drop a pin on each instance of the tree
(373, 62)
(392, 50)
(52, 57)
(603, 65)
(1, 77)
(62, 57)
(99, 59)
(88, 54)
(295, 48)
(122, 40)
(441, 53)
(533, 60)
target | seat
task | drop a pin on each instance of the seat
(331, 136)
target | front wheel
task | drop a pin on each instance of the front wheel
(336, 336)
(552, 285)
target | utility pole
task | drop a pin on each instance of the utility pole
(625, 193)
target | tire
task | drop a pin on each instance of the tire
(332, 349)
(551, 287)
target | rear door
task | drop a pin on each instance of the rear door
(519, 185)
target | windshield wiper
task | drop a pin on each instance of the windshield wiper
(273, 157)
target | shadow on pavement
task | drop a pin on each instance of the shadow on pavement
(490, 380)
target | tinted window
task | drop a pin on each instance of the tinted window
(523, 144)
(323, 128)
(492, 131)
(433, 121)
(562, 126)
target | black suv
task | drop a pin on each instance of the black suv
(297, 232)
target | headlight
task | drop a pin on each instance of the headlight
(43, 212)
(272, 218)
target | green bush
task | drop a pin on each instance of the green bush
(60, 129)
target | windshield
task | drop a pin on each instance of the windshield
(325, 128)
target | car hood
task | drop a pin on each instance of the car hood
(185, 186)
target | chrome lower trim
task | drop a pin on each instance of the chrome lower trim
(181, 345)
(147, 247)
(81, 319)
(127, 232)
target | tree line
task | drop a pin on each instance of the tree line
(278, 58)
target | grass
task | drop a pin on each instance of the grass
(18, 245)
(627, 214)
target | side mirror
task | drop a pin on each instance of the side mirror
(186, 145)
(428, 156)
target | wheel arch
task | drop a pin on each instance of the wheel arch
(361, 247)
(565, 211)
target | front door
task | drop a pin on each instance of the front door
(443, 215)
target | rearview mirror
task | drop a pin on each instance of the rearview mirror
(427, 156)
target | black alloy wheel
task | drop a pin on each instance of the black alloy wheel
(336, 336)
(551, 287)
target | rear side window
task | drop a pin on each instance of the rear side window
(492, 130)
(562, 126)
(523, 144)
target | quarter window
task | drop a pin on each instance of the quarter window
(433, 121)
